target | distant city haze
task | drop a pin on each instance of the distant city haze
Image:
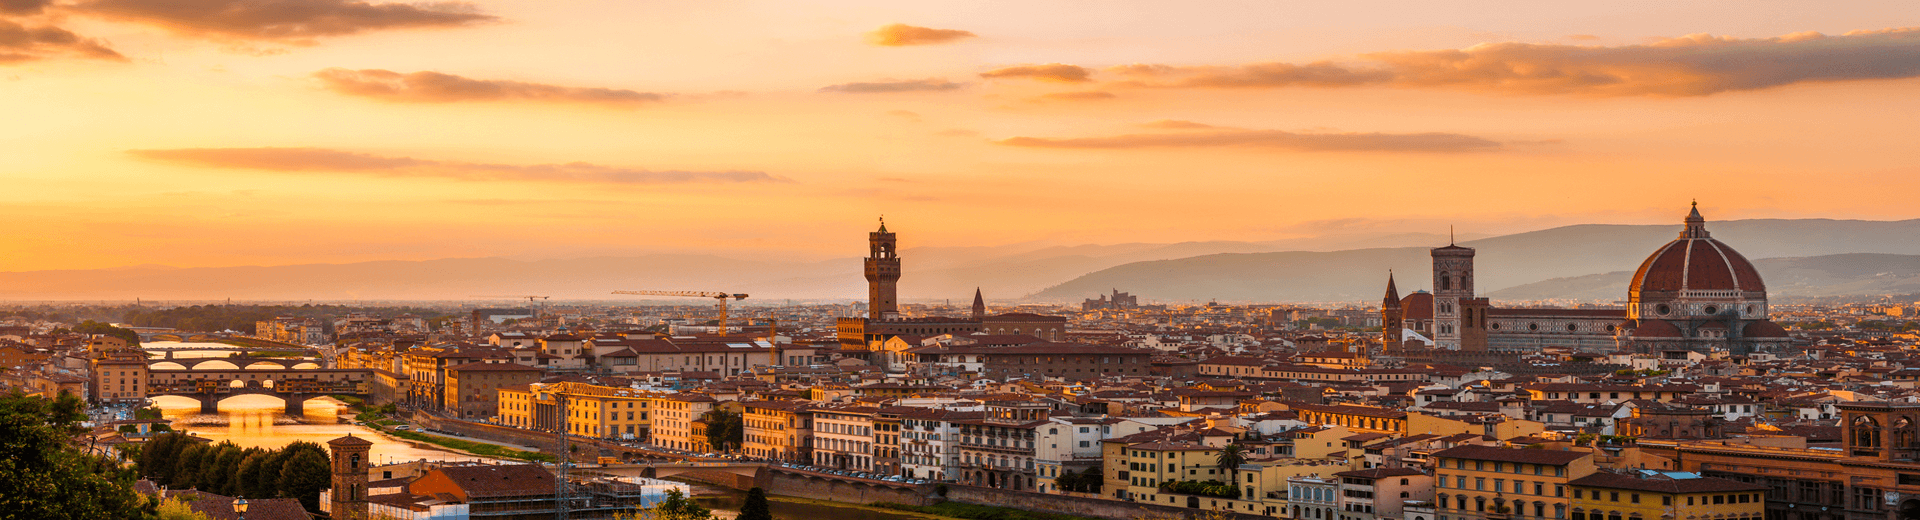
(1589, 263)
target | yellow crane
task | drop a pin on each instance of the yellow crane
(722, 296)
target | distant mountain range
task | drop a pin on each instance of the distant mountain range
(1798, 257)
(1543, 257)
(1830, 275)
(1003, 272)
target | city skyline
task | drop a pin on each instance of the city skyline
(193, 136)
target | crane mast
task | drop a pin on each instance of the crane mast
(722, 296)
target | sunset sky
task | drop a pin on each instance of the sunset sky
(267, 132)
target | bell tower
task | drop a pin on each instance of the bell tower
(883, 275)
(1452, 287)
(349, 495)
(1391, 319)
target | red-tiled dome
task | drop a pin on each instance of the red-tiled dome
(1764, 329)
(1695, 262)
(1418, 306)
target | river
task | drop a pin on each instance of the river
(726, 502)
(260, 421)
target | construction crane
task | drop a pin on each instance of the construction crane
(722, 296)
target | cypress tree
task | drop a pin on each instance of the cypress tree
(756, 507)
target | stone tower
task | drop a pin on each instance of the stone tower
(1452, 286)
(979, 305)
(349, 477)
(1391, 319)
(883, 275)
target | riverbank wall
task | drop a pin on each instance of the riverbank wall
(1081, 506)
(493, 432)
(802, 485)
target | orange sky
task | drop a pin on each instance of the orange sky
(220, 132)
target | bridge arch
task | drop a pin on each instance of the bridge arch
(306, 365)
(214, 364)
(265, 365)
(166, 365)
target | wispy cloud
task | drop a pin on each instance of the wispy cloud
(20, 43)
(1694, 65)
(435, 87)
(18, 7)
(284, 19)
(323, 160)
(1050, 72)
(918, 85)
(1272, 139)
(898, 35)
(1090, 95)
(1176, 124)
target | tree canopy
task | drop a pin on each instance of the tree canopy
(46, 478)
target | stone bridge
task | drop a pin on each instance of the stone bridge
(187, 337)
(293, 386)
(238, 362)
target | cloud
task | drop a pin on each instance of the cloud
(1091, 95)
(323, 160)
(1583, 37)
(1176, 124)
(284, 19)
(23, 6)
(1424, 142)
(435, 87)
(20, 43)
(1695, 65)
(919, 85)
(897, 35)
(1049, 72)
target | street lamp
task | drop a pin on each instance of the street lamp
(240, 508)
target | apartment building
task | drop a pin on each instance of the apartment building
(472, 389)
(673, 417)
(777, 430)
(843, 437)
(1481, 482)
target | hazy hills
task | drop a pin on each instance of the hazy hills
(1815, 257)
(1830, 275)
(932, 273)
(1503, 262)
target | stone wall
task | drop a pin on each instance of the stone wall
(1079, 506)
(801, 485)
(546, 441)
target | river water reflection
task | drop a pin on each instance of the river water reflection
(260, 421)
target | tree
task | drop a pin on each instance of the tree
(756, 507)
(44, 478)
(186, 466)
(675, 507)
(155, 458)
(725, 430)
(251, 480)
(1231, 457)
(305, 473)
(94, 327)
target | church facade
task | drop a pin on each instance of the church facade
(1692, 294)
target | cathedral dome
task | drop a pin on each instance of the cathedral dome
(1694, 263)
